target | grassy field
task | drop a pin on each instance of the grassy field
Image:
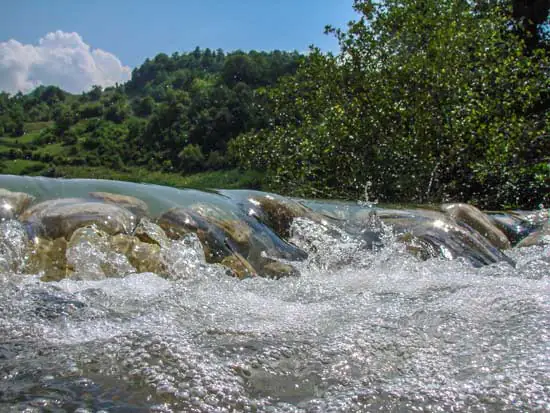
(37, 126)
(21, 167)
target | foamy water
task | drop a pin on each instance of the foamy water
(359, 330)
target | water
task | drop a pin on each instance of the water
(358, 331)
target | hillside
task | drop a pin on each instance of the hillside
(175, 116)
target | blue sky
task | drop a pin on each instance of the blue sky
(134, 30)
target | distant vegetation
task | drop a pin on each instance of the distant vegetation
(175, 116)
(426, 101)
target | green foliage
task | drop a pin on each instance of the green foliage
(191, 158)
(91, 110)
(21, 167)
(94, 94)
(144, 106)
(170, 103)
(227, 179)
(216, 160)
(64, 118)
(239, 68)
(427, 100)
(117, 112)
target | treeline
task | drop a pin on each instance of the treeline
(428, 100)
(177, 113)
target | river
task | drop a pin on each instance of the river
(359, 330)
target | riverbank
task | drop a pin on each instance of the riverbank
(227, 179)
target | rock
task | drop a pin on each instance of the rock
(236, 229)
(122, 243)
(60, 218)
(13, 245)
(540, 237)
(47, 257)
(132, 204)
(50, 204)
(178, 222)
(147, 257)
(470, 216)
(211, 212)
(278, 214)
(237, 244)
(91, 256)
(277, 269)
(184, 257)
(12, 204)
(512, 225)
(535, 218)
(239, 266)
(400, 220)
(449, 240)
(149, 232)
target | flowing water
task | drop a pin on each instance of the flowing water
(360, 330)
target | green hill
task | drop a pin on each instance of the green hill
(174, 118)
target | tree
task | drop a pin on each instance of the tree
(426, 100)
(95, 93)
(117, 112)
(239, 68)
(64, 118)
(144, 106)
(191, 158)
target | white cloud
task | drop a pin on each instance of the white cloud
(61, 59)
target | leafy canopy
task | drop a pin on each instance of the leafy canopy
(427, 100)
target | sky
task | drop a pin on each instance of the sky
(75, 44)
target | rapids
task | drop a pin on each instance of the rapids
(360, 330)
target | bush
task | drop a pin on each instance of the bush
(32, 169)
(192, 158)
(216, 161)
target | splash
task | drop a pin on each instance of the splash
(367, 326)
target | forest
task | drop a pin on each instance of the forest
(426, 101)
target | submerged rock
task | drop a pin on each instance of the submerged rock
(449, 240)
(90, 256)
(13, 242)
(184, 257)
(278, 214)
(252, 239)
(61, 217)
(539, 237)
(93, 254)
(234, 227)
(276, 269)
(147, 257)
(536, 218)
(132, 204)
(236, 244)
(47, 257)
(470, 216)
(12, 204)
(239, 266)
(150, 233)
(513, 225)
(122, 243)
(178, 222)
